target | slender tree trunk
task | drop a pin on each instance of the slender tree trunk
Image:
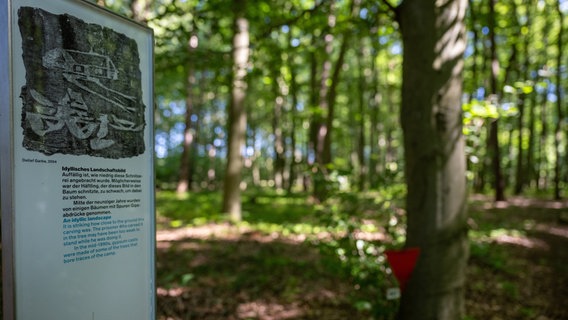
(316, 118)
(320, 130)
(474, 67)
(521, 173)
(542, 171)
(293, 121)
(559, 101)
(433, 34)
(494, 147)
(237, 120)
(327, 96)
(253, 161)
(186, 165)
(361, 141)
(211, 171)
(277, 130)
(530, 163)
(390, 154)
(331, 97)
(541, 165)
(331, 93)
(374, 128)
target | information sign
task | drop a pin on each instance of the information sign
(76, 158)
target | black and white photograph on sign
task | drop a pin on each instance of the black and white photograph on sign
(83, 91)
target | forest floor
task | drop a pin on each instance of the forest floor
(518, 266)
(518, 269)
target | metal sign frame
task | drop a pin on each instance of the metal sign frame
(76, 162)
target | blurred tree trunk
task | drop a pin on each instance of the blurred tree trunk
(363, 105)
(530, 158)
(139, 10)
(293, 121)
(186, 165)
(319, 129)
(237, 119)
(433, 35)
(538, 126)
(277, 126)
(559, 112)
(542, 162)
(327, 96)
(493, 142)
(475, 40)
(521, 175)
(374, 130)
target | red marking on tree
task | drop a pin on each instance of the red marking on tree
(402, 263)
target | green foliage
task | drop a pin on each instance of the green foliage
(191, 209)
(349, 217)
(351, 230)
(491, 255)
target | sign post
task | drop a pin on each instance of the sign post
(76, 160)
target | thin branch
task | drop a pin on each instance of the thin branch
(291, 20)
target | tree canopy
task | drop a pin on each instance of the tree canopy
(323, 93)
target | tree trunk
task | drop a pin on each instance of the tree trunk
(493, 142)
(186, 165)
(474, 68)
(320, 129)
(521, 173)
(327, 96)
(433, 36)
(277, 128)
(139, 10)
(237, 119)
(530, 162)
(375, 102)
(541, 161)
(361, 102)
(293, 122)
(559, 113)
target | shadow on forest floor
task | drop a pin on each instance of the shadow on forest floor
(519, 260)
(246, 276)
(518, 270)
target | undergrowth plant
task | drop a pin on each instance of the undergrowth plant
(362, 228)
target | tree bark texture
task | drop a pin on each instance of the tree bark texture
(433, 35)
(237, 115)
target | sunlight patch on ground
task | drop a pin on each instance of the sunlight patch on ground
(521, 202)
(526, 242)
(268, 311)
(172, 292)
(208, 231)
(553, 230)
(510, 236)
(230, 232)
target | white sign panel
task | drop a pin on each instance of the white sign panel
(77, 163)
